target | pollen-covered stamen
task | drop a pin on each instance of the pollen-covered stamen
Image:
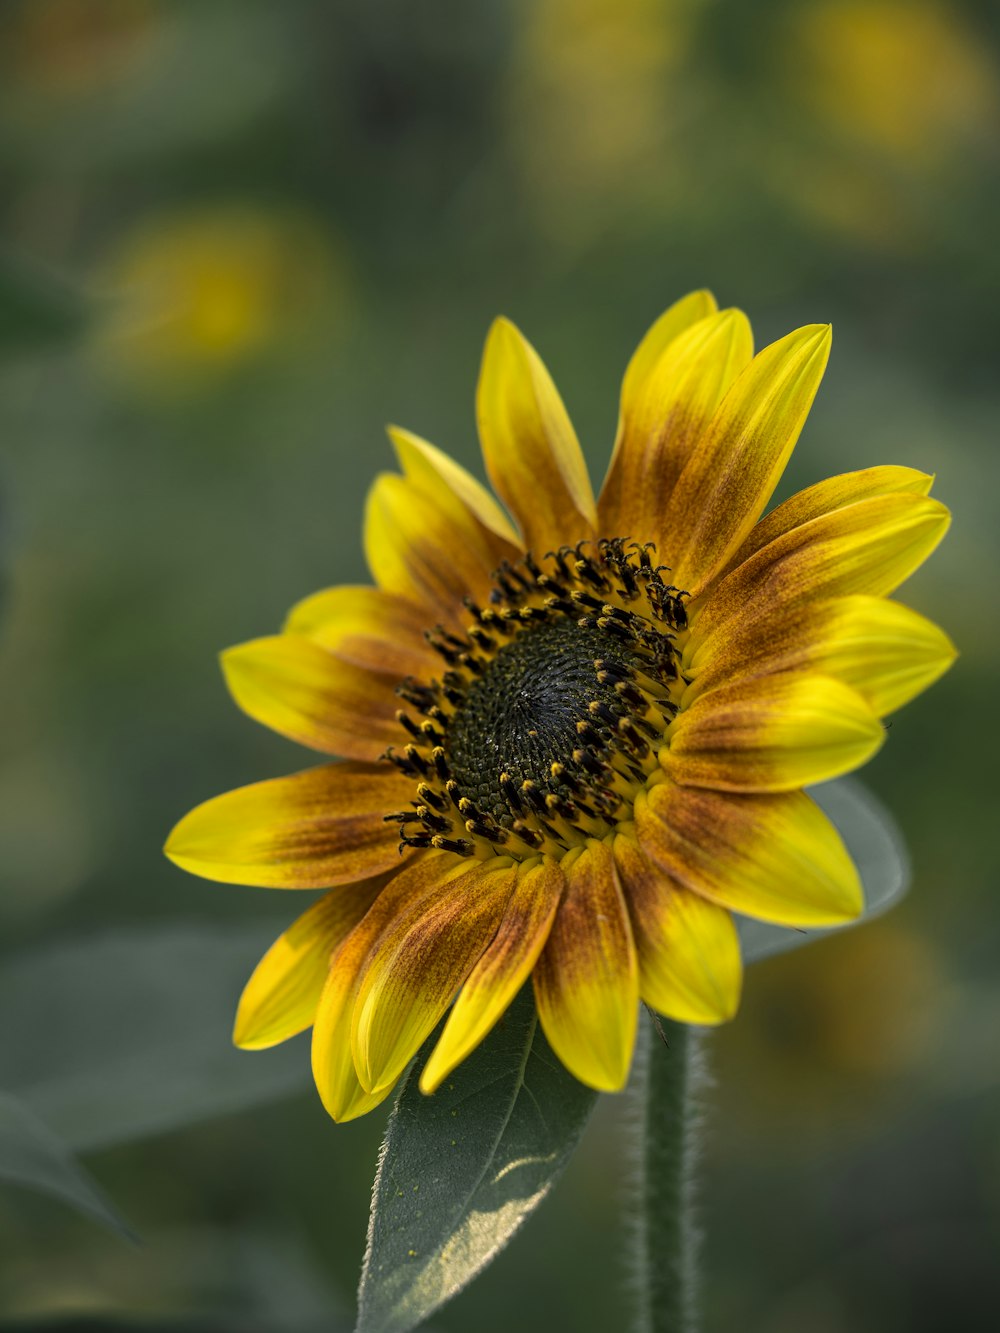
(551, 710)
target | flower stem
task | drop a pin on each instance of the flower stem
(671, 1073)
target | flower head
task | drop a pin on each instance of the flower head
(574, 747)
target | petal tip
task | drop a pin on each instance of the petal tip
(604, 1078)
(731, 315)
(501, 330)
(722, 1004)
(810, 341)
(240, 662)
(432, 1077)
(730, 1008)
(179, 845)
(818, 342)
(243, 1036)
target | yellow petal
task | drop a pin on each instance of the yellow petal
(312, 830)
(332, 1059)
(828, 495)
(431, 469)
(501, 972)
(689, 953)
(419, 962)
(281, 997)
(776, 857)
(869, 547)
(883, 650)
(417, 548)
(297, 688)
(736, 464)
(664, 414)
(368, 627)
(771, 733)
(587, 979)
(532, 454)
(689, 310)
(671, 324)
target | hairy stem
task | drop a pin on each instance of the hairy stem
(671, 1074)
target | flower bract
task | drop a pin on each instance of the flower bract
(573, 741)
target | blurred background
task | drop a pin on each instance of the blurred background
(236, 239)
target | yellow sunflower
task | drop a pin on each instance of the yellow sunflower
(573, 747)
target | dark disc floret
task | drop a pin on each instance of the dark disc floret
(550, 711)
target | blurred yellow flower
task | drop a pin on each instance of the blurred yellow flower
(892, 103)
(590, 99)
(908, 79)
(866, 1007)
(190, 296)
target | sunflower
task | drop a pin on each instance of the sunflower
(572, 748)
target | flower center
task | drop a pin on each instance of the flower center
(520, 716)
(552, 710)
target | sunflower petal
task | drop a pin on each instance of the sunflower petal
(776, 857)
(332, 1060)
(870, 547)
(690, 967)
(663, 416)
(828, 495)
(418, 547)
(501, 971)
(587, 978)
(281, 997)
(312, 830)
(418, 963)
(431, 469)
(883, 650)
(298, 689)
(689, 310)
(369, 627)
(736, 464)
(532, 454)
(771, 733)
(671, 324)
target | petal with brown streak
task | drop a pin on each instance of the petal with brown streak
(587, 978)
(312, 830)
(532, 454)
(776, 857)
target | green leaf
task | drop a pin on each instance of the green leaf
(37, 307)
(32, 1156)
(129, 1033)
(877, 849)
(108, 1322)
(461, 1170)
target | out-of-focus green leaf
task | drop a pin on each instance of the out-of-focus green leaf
(877, 849)
(32, 1156)
(36, 307)
(461, 1170)
(128, 1033)
(207, 1279)
(117, 1323)
(233, 61)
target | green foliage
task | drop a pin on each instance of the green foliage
(461, 1171)
(32, 1156)
(37, 308)
(128, 1033)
